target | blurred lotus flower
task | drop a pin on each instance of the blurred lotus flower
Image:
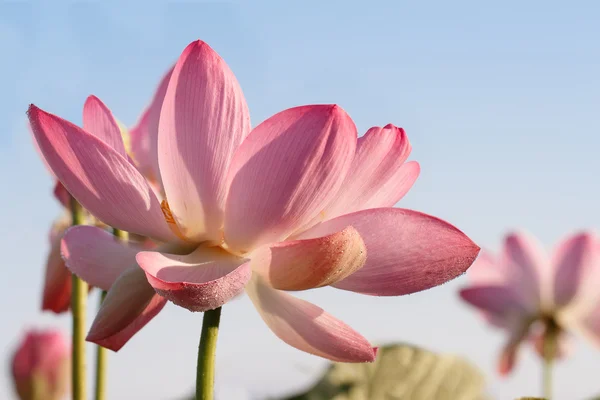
(41, 366)
(297, 203)
(527, 293)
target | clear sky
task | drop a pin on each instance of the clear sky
(500, 101)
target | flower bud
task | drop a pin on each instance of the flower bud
(41, 366)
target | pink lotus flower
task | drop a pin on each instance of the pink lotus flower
(525, 292)
(297, 203)
(41, 366)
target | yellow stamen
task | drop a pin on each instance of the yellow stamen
(164, 206)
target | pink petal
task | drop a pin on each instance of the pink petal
(99, 121)
(379, 176)
(129, 305)
(310, 263)
(485, 271)
(203, 120)
(499, 301)
(307, 327)
(144, 135)
(525, 263)
(101, 179)
(575, 263)
(57, 282)
(286, 172)
(407, 251)
(203, 280)
(97, 256)
(518, 332)
(118, 340)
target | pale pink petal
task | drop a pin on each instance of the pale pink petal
(62, 195)
(307, 327)
(378, 176)
(499, 301)
(129, 305)
(99, 121)
(57, 282)
(203, 280)
(144, 135)
(486, 270)
(101, 179)
(310, 263)
(97, 256)
(407, 251)
(526, 266)
(204, 118)
(574, 263)
(284, 174)
(118, 340)
(508, 357)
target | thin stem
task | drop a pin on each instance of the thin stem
(101, 353)
(205, 374)
(78, 309)
(101, 365)
(550, 347)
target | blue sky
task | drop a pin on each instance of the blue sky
(500, 102)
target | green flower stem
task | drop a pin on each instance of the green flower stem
(101, 353)
(205, 373)
(550, 348)
(101, 362)
(79, 291)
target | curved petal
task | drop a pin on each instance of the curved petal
(203, 280)
(57, 282)
(510, 351)
(310, 263)
(574, 262)
(525, 263)
(129, 305)
(378, 176)
(96, 256)
(101, 179)
(203, 120)
(286, 172)
(407, 251)
(118, 340)
(99, 121)
(144, 135)
(307, 327)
